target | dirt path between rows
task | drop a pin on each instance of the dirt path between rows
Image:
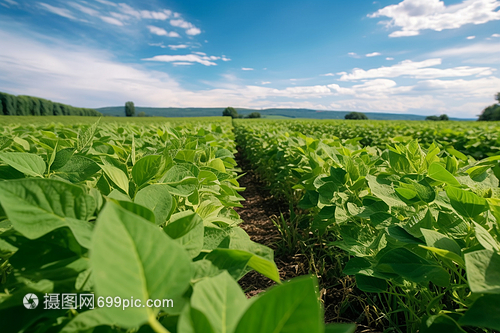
(259, 208)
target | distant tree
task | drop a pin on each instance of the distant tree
(356, 116)
(22, 106)
(442, 117)
(57, 111)
(141, 114)
(46, 107)
(35, 106)
(9, 103)
(491, 113)
(254, 115)
(230, 112)
(129, 109)
(1, 108)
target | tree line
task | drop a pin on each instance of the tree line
(11, 105)
(231, 112)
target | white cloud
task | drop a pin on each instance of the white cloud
(109, 3)
(246, 69)
(57, 10)
(224, 58)
(374, 54)
(179, 46)
(11, 2)
(265, 82)
(471, 37)
(477, 88)
(162, 32)
(195, 58)
(419, 70)
(353, 54)
(412, 16)
(84, 9)
(111, 20)
(327, 74)
(190, 28)
(478, 49)
(495, 35)
(180, 63)
(389, 58)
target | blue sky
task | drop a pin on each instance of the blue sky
(413, 56)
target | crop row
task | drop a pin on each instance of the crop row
(477, 139)
(136, 212)
(419, 227)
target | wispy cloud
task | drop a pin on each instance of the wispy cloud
(389, 58)
(413, 16)
(353, 55)
(83, 9)
(162, 32)
(57, 10)
(471, 37)
(179, 46)
(112, 20)
(495, 35)
(419, 70)
(11, 2)
(192, 58)
(189, 27)
(328, 74)
(374, 54)
(246, 69)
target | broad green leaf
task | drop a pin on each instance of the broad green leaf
(130, 257)
(78, 168)
(137, 209)
(187, 229)
(62, 157)
(436, 239)
(37, 206)
(439, 324)
(29, 164)
(466, 203)
(412, 267)
(116, 175)
(236, 261)
(157, 198)
(85, 139)
(446, 254)
(222, 301)
(483, 271)
(382, 189)
(437, 172)
(494, 205)
(88, 320)
(371, 284)
(485, 239)
(193, 321)
(340, 328)
(145, 169)
(292, 307)
(484, 313)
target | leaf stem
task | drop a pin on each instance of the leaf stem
(156, 326)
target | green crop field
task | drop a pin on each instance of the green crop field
(129, 210)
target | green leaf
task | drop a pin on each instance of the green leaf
(116, 175)
(340, 328)
(236, 261)
(86, 138)
(29, 164)
(62, 157)
(484, 313)
(483, 271)
(87, 320)
(437, 172)
(157, 198)
(221, 300)
(78, 168)
(371, 284)
(37, 206)
(130, 257)
(412, 267)
(145, 169)
(292, 307)
(137, 209)
(485, 239)
(439, 324)
(383, 189)
(437, 239)
(466, 203)
(187, 229)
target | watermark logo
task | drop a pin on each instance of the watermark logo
(30, 301)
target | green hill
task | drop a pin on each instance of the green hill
(266, 113)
